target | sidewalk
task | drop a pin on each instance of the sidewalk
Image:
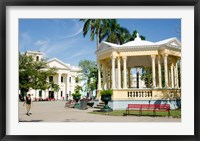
(55, 111)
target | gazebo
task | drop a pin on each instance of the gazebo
(160, 59)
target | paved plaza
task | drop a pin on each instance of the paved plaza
(55, 111)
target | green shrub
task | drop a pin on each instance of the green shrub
(76, 94)
(106, 92)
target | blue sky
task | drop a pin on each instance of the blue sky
(63, 38)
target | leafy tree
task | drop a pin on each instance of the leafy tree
(78, 89)
(33, 74)
(144, 77)
(90, 73)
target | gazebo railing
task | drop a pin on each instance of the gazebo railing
(146, 94)
(140, 93)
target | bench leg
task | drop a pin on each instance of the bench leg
(154, 113)
(140, 112)
(126, 113)
(168, 114)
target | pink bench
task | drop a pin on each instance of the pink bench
(148, 107)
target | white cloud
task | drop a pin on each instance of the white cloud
(41, 42)
(74, 34)
(58, 47)
(24, 41)
(80, 53)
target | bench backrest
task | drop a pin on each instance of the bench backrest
(149, 106)
(135, 106)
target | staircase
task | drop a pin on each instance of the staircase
(100, 105)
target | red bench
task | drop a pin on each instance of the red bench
(148, 107)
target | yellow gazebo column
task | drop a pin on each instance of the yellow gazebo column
(122, 79)
(99, 76)
(104, 76)
(159, 73)
(169, 75)
(119, 73)
(176, 75)
(153, 70)
(125, 73)
(180, 71)
(110, 82)
(172, 75)
(129, 77)
(113, 71)
(148, 74)
(166, 70)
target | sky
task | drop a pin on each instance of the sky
(63, 38)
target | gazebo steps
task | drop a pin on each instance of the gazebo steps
(100, 105)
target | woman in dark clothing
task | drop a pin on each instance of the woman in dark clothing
(28, 103)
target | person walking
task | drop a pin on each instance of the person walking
(28, 103)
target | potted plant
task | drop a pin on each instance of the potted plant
(106, 97)
(76, 97)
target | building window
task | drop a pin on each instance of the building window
(61, 93)
(50, 78)
(77, 79)
(70, 79)
(69, 92)
(37, 58)
(40, 94)
(61, 78)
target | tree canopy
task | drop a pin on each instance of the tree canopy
(90, 74)
(108, 30)
(33, 74)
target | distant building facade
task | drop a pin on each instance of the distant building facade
(141, 83)
(67, 77)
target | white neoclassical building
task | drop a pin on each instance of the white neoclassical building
(66, 77)
(116, 61)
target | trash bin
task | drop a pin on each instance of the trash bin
(83, 104)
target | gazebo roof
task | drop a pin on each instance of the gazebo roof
(141, 44)
(138, 42)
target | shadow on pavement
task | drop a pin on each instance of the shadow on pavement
(30, 120)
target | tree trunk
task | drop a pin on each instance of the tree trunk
(97, 40)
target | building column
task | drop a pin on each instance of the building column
(106, 79)
(153, 70)
(113, 72)
(67, 84)
(180, 72)
(125, 73)
(148, 74)
(159, 73)
(122, 79)
(169, 75)
(104, 76)
(99, 76)
(110, 79)
(176, 75)
(129, 77)
(59, 84)
(119, 73)
(166, 70)
(172, 75)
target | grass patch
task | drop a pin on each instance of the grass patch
(173, 113)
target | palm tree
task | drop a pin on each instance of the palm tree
(115, 33)
(96, 27)
(132, 36)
